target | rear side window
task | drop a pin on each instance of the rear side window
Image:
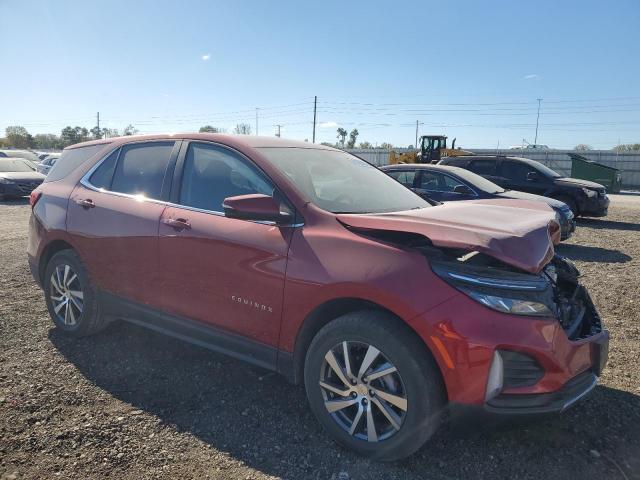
(103, 175)
(483, 167)
(141, 169)
(404, 177)
(212, 174)
(70, 160)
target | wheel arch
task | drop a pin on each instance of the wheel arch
(329, 311)
(49, 251)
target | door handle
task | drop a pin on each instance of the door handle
(86, 203)
(177, 223)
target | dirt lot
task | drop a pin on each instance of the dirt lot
(133, 404)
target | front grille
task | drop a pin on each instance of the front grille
(519, 369)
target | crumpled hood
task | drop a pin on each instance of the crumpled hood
(518, 232)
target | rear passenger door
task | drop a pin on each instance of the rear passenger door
(113, 218)
(487, 168)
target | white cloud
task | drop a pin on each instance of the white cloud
(328, 125)
(206, 57)
(531, 76)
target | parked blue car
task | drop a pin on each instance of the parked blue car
(446, 184)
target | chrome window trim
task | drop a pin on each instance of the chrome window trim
(84, 181)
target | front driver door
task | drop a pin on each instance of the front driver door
(222, 272)
(523, 177)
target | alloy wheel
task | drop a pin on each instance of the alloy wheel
(66, 295)
(363, 391)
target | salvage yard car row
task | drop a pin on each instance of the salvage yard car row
(306, 260)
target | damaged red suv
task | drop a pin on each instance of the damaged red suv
(308, 261)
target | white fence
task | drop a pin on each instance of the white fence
(558, 160)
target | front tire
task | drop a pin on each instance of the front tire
(70, 297)
(373, 385)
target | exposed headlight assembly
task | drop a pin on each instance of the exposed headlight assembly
(506, 292)
(590, 193)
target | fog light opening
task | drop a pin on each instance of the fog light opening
(496, 377)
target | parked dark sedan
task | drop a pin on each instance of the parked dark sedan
(585, 198)
(444, 184)
(17, 177)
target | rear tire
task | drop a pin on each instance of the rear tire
(349, 403)
(70, 297)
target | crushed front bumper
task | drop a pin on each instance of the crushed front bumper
(595, 207)
(560, 400)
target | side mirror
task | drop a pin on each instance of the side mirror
(255, 207)
(462, 190)
(533, 177)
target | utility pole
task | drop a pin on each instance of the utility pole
(315, 105)
(416, 144)
(98, 122)
(278, 134)
(256, 121)
(535, 141)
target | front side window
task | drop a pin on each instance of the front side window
(141, 169)
(516, 171)
(339, 182)
(430, 181)
(212, 174)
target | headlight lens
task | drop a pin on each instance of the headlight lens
(590, 193)
(506, 292)
(5, 180)
(510, 305)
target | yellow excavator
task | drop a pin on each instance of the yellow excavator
(432, 149)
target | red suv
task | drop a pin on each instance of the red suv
(308, 261)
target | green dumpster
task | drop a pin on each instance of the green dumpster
(582, 167)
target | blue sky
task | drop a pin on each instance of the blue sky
(468, 69)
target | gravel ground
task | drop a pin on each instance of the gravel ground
(132, 404)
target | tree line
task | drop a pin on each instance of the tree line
(17, 136)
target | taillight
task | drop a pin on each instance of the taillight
(34, 197)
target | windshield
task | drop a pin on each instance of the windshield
(14, 165)
(339, 182)
(478, 182)
(546, 171)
